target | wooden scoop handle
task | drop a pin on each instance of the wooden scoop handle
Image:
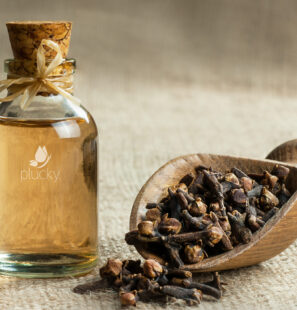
(286, 152)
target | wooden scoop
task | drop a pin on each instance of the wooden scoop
(277, 234)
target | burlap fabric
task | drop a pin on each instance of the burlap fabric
(165, 78)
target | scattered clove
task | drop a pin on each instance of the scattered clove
(152, 269)
(150, 282)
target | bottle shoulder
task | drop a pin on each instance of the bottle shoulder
(55, 111)
(53, 107)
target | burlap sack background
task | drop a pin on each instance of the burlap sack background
(165, 78)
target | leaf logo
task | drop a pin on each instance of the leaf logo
(41, 158)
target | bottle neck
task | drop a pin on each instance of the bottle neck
(28, 68)
(61, 77)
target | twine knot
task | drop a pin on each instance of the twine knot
(28, 87)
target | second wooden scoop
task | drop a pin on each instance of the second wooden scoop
(277, 234)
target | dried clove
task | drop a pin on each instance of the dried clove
(196, 222)
(253, 223)
(152, 268)
(182, 200)
(112, 269)
(150, 282)
(269, 214)
(128, 298)
(169, 225)
(240, 174)
(231, 177)
(268, 200)
(225, 239)
(210, 212)
(153, 214)
(240, 231)
(180, 273)
(193, 253)
(172, 248)
(197, 207)
(284, 195)
(187, 294)
(246, 183)
(212, 288)
(188, 196)
(210, 236)
(255, 192)
(238, 197)
(281, 172)
(146, 228)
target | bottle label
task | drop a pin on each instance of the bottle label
(38, 169)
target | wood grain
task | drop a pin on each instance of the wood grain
(273, 238)
(286, 152)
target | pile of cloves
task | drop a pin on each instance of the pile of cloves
(210, 212)
(151, 282)
(206, 213)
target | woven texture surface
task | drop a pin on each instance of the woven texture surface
(162, 79)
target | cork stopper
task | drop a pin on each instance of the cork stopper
(25, 37)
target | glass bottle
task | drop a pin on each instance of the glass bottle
(48, 177)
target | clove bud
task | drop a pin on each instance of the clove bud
(268, 200)
(193, 253)
(146, 228)
(169, 225)
(197, 207)
(112, 269)
(128, 299)
(152, 268)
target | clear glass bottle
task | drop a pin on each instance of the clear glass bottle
(48, 187)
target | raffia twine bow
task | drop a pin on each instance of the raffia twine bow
(28, 87)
